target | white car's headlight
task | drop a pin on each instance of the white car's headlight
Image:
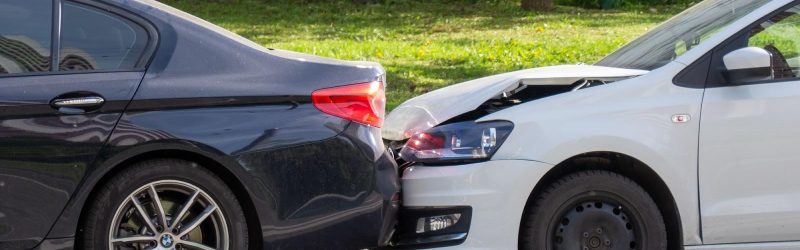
(457, 142)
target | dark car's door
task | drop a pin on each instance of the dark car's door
(54, 120)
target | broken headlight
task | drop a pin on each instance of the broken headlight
(462, 141)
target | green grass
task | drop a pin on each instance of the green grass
(426, 45)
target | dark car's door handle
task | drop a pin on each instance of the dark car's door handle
(79, 102)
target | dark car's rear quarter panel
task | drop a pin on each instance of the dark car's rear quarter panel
(314, 181)
(313, 178)
(329, 194)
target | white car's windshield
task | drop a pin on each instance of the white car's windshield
(680, 34)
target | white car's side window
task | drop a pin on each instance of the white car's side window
(781, 37)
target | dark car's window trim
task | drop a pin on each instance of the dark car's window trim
(141, 64)
(55, 37)
(60, 73)
(716, 54)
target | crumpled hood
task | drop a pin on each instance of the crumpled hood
(426, 111)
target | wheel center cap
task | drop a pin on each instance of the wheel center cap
(594, 242)
(167, 241)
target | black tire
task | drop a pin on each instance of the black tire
(593, 210)
(97, 222)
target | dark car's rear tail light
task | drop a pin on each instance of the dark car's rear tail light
(364, 103)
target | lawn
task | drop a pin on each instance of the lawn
(428, 44)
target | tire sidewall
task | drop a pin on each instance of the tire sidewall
(564, 194)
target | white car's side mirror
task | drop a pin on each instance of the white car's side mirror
(748, 65)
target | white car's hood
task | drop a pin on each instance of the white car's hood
(428, 110)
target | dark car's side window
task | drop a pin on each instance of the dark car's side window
(93, 39)
(25, 36)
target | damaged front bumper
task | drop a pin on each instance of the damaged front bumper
(489, 195)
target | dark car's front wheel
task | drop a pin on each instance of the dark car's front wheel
(165, 204)
(593, 210)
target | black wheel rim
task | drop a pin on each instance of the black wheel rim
(593, 222)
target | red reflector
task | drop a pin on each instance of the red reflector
(364, 103)
(425, 141)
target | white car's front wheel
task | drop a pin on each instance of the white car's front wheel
(593, 210)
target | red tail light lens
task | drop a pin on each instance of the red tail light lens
(364, 103)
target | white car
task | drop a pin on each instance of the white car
(686, 138)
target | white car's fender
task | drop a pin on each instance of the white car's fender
(632, 117)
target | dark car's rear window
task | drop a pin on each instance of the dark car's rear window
(93, 39)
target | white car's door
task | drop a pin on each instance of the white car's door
(749, 159)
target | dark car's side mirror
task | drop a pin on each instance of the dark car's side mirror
(748, 65)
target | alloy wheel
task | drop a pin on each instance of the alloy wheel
(168, 214)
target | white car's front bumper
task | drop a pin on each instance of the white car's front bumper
(497, 191)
